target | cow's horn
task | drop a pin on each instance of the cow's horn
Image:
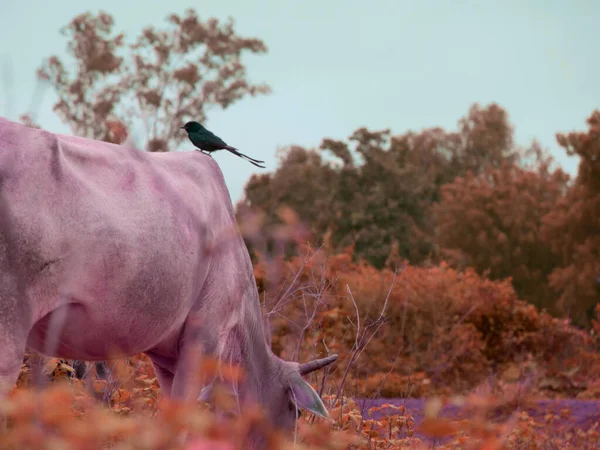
(311, 366)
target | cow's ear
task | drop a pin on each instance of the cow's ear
(307, 398)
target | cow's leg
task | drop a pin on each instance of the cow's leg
(15, 312)
(165, 378)
(11, 356)
(187, 377)
(15, 325)
(185, 385)
(13, 339)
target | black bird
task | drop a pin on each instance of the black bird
(207, 141)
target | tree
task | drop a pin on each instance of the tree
(371, 205)
(303, 180)
(572, 229)
(492, 222)
(486, 139)
(161, 80)
(375, 190)
(382, 204)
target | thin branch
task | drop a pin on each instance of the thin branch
(363, 339)
(298, 272)
(357, 313)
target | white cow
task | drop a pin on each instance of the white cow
(133, 251)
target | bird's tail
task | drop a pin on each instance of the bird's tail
(256, 162)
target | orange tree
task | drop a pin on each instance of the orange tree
(572, 229)
(492, 222)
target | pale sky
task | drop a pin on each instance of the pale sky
(337, 65)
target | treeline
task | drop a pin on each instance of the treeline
(470, 197)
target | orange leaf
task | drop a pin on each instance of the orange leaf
(437, 427)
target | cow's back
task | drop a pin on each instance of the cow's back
(111, 234)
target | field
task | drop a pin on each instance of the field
(471, 367)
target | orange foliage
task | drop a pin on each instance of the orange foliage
(492, 222)
(445, 331)
(471, 197)
(573, 228)
(64, 415)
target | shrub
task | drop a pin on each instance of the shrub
(445, 330)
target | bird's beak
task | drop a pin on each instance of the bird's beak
(182, 128)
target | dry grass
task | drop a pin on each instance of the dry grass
(66, 414)
(393, 330)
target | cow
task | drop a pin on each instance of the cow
(106, 247)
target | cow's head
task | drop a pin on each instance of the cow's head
(283, 392)
(290, 393)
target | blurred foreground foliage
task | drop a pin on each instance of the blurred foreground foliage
(435, 332)
(63, 415)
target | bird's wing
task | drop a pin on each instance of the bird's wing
(214, 139)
